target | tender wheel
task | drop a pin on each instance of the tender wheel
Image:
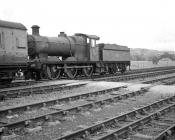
(53, 72)
(88, 71)
(70, 71)
(123, 69)
(27, 75)
(112, 69)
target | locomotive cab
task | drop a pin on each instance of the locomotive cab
(90, 45)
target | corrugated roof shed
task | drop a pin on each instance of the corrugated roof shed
(13, 25)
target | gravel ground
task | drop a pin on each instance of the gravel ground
(168, 81)
(90, 87)
(46, 83)
(72, 122)
(65, 105)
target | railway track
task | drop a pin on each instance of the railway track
(127, 73)
(160, 127)
(121, 127)
(20, 83)
(48, 103)
(63, 112)
(24, 91)
(115, 127)
(167, 80)
(52, 102)
(135, 76)
(60, 111)
(32, 82)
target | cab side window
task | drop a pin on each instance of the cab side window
(92, 42)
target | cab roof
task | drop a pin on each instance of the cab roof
(88, 36)
(13, 25)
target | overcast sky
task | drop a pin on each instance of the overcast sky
(135, 23)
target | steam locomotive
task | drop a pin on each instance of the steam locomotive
(42, 57)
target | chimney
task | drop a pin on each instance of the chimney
(35, 30)
(62, 34)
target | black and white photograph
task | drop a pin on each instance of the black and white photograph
(87, 70)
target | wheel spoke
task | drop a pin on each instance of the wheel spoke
(53, 72)
(123, 69)
(88, 71)
(70, 72)
(43, 75)
(112, 69)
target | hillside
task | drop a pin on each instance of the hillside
(138, 54)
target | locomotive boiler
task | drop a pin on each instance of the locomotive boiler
(70, 48)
